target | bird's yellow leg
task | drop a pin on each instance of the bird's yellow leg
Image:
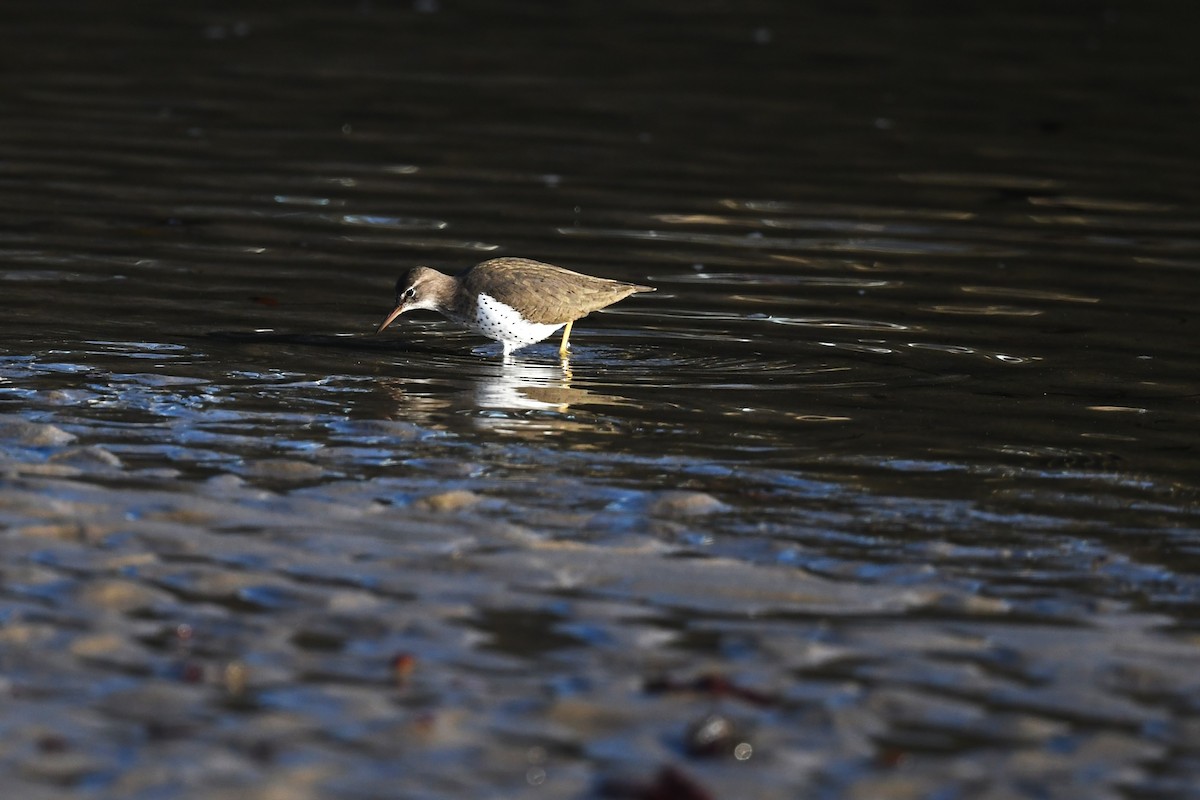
(562, 348)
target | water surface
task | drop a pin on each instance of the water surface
(890, 490)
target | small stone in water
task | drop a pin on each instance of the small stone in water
(685, 504)
(711, 736)
(32, 434)
(236, 675)
(283, 469)
(454, 500)
(85, 457)
(403, 665)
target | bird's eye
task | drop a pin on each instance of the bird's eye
(410, 292)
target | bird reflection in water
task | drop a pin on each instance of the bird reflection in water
(517, 384)
(513, 396)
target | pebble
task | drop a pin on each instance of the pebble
(685, 504)
(121, 595)
(62, 768)
(112, 651)
(283, 469)
(32, 434)
(444, 502)
(87, 457)
(44, 470)
(63, 532)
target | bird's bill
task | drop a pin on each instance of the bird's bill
(390, 318)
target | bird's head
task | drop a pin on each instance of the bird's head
(420, 287)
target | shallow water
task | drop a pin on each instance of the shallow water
(890, 490)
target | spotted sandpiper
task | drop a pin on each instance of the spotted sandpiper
(516, 301)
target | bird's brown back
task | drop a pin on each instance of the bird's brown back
(543, 292)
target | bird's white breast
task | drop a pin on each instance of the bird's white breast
(504, 323)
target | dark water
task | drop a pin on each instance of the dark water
(889, 491)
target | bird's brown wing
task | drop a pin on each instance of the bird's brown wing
(545, 293)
